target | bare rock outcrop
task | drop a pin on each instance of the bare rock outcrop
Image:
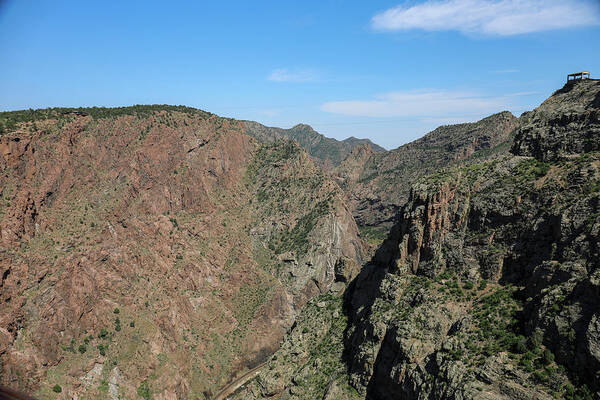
(567, 123)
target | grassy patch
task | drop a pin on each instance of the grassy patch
(373, 235)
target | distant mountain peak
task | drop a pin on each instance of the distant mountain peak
(303, 126)
(328, 152)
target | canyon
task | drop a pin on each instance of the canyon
(163, 251)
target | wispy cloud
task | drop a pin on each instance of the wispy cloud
(294, 75)
(424, 103)
(269, 112)
(518, 94)
(490, 17)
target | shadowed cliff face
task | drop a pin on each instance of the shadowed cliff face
(487, 287)
(155, 250)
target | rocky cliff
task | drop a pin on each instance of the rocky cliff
(155, 251)
(487, 287)
(379, 185)
(565, 124)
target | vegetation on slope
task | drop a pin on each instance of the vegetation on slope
(10, 120)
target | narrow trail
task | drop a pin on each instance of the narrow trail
(231, 387)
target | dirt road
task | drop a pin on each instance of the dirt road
(237, 383)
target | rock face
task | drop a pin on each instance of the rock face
(155, 250)
(487, 287)
(568, 123)
(327, 152)
(377, 182)
(301, 216)
(379, 185)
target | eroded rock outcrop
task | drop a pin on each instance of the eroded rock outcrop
(530, 231)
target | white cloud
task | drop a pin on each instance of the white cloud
(490, 17)
(429, 103)
(269, 112)
(286, 75)
(521, 94)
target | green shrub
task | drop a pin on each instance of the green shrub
(580, 393)
(132, 324)
(57, 389)
(102, 349)
(548, 357)
(526, 361)
(144, 390)
(116, 311)
(569, 389)
(585, 393)
(532, 168)
(71, 346)
(529, 356)
(82, 348)
(535, 340)
(526, 364)
(103, 333)
(457, 355)
(541, 376)
(521, 345)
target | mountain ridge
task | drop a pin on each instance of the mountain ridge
(328, 151)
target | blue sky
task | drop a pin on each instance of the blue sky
(387, 70)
